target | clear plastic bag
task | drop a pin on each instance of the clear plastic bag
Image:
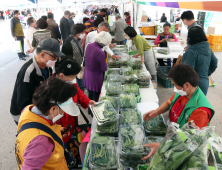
(131, 88)
(120, 48)
(104, 112)
(130, 164)
(130, 117)
(127, 101)
(164, 51)
(113, 100)
(108, 129)
(103, 153)
(143, 76)
(113, 89)
(155, 126)
(129, 77)
(176, 148)
(114, 78)
(131, 140)
(144, 84)
(113, 63)
(113, 72)
(142, 167)
(136, 63)
(124, 68)
(124, 60)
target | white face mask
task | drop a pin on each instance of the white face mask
(72, 82)
(50, 63)
(59, 116)
(19, 16)
(180, 92)
(127, 37)
(82, 36)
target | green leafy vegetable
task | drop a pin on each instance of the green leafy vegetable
(155, 126)
(129, 77)
(124, 68)
(113, 89)
(163, 51)
(130, 117)
(127, 101)
(113, 63)
(143, 78)
(142, 167)
(114, 78)
(113, 72)
(113, 101)
(131, 88)
(103, 154)
(108, 129)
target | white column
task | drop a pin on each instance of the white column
(132, 13)
(37, 8)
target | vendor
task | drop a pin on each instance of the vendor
(187, 104)
(35, 148)
(128, 18)
(144, 48)
(163, 37)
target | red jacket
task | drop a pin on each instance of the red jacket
(67, 119)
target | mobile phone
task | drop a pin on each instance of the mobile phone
(67, 129)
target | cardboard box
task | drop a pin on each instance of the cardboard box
(211, 30)
(148, 30)
(144, 18)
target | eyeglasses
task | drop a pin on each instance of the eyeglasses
(55, 58)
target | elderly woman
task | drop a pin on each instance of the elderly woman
(200, 57)
(39, 142)
(144, 48)
(96, 64)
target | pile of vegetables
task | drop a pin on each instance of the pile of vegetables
(113, 101)
(113, 89)
(143, 78)
(130, 117)
(127, 101)
(131, 88)
(124, 68)
(114, 78)
(129, 77)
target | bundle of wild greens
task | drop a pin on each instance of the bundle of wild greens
(127, 101)
(136, 63)
(113, 89)
(155, 126)
(110, 129)
(142, 167)
(124, 60)
(103, 153)
(124, 68)
(176, 148)
(131, 140)
(113, 72)
(164, 51)
(113, 63)
(114, 78)
(113, 100)
(144, 78)
(131, 88)
(129, 77)
(104, 112)
(130, 117)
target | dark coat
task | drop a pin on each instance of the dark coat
(65, 28)
(204, 62)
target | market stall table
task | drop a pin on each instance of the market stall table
(173, 55)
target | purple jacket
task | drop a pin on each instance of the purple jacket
(95, 66)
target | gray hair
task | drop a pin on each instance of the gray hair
(118, 16)
(66, 12)
(103, 38)
(103, 24)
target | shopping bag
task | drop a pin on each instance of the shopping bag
(179, 60)
(17, 47)
(78, 135)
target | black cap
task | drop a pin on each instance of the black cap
(51, 45)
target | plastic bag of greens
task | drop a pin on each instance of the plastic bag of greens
(124, 60)
(155, 126)
(130, 164)
(124, 68)
(113, 89)
(120, 49)
(113, 63)
(142, 167)
(114, 78)
(144, 84)
(136, 63)
(131, 88)
(143, 76)
(130, 117)
(103, 153)
(176, 148)
(113, 72)
(104, 112)
(127, 101)
(108, 129)
(164, 51)
(129, 77)
(131, 140)
(113, 100)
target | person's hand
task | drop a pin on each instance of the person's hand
(15, 38)
(112, 45)
(62, 129)
(154, 147)
(135, 56)
(115, 56)
(92, 102)
(163, 40)
(149, 115)
(171, 40)
(29, 51)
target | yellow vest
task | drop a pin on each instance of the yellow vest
(57, 160)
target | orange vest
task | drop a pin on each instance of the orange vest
(57, 160)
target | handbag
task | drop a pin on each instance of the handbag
(71, 161)
(17, 47)
(81, 73)
(78, 135)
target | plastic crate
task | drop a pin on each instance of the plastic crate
(162, 72)
(216, 47)
(148, 30)
(215, 39)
